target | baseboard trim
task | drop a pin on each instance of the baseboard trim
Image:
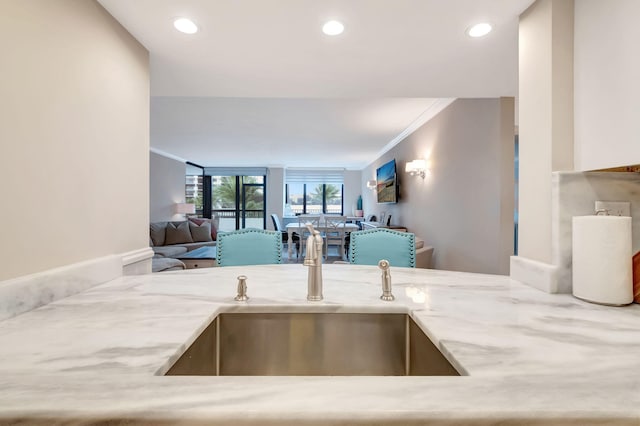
(540, 275)
(136, 256)
(137, 262)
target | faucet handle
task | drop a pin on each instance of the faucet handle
(242, 289)
(386, 280)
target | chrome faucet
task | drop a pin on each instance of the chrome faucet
(313, 259)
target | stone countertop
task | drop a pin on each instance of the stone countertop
(527, 357)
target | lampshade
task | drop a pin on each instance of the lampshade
(185, 208)
(371, 184)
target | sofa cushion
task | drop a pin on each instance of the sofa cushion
(193, 246)
(178, 233)
(200, 232)
(159, 264)
(419, 243)
(157, 231)
(213, 222)
(169, 251)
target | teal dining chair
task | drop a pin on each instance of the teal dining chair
(370, 246)
(249, 247)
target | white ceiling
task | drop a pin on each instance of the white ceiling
(260, 84)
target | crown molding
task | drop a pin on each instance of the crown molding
(167, 155)
(431, 111)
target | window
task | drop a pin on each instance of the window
(238, 196)
(315, 191)
(193, 187)
(239, 201)
(295, 197)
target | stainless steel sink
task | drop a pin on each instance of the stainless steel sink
(312, 344)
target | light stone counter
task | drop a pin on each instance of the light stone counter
(528, 357)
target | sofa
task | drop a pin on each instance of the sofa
(171, 239)
(424, 254)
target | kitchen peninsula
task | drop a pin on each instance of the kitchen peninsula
(525, 357)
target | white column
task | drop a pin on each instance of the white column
(545, 132)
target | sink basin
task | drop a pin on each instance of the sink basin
(312, 344)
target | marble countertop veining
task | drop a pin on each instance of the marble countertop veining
(528, 357)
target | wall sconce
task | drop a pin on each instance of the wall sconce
(185, 208)
(371, 184)
(416, 168)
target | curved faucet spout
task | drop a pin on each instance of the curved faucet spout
(311, 255)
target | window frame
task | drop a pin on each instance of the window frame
(324, 197)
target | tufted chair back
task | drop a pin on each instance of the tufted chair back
(249, 247)
(370, 246)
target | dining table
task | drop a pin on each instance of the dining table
(296, 227)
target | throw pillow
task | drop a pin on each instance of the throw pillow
(201, 220)
(200, 232)
(157, 231)
(178, 233)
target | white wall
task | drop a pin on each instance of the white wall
(166, 187)
(352, 189)
(464, 207)
(607, 86)
(74, 168)
(590, 46)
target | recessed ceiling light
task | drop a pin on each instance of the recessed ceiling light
(479, 30)
(185, 25)
(333, 28)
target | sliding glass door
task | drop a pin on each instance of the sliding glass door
(252, 203)
(239, 201)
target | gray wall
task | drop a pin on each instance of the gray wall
(275, 194)
(166, 187)
(75, 131)
(464, 207)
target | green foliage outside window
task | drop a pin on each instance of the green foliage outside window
(332, 194)
(314, 196)
(195, 200)
(224, 194)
